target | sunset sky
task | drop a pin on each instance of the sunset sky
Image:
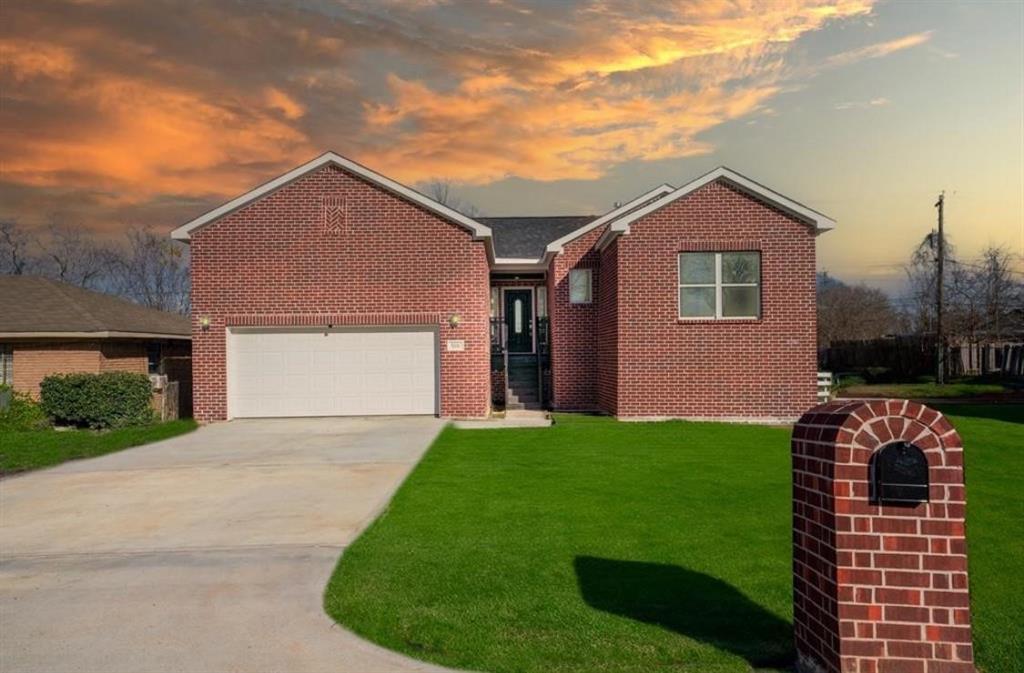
(118, 112)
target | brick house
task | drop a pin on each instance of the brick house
(48, 327)
(334, 290)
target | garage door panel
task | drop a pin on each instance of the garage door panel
(342, 372)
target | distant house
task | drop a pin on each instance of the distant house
(334, 290)
(48, 327)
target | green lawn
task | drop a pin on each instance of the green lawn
(604, 546)
(34, 449)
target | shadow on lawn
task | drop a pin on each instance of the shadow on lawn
(689, 603)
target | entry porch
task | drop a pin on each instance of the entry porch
(520, 342)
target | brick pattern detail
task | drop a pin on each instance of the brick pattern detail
(878, 589)
(334, 214)
(394, 263)
(764, 368)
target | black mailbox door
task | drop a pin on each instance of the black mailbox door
(899, 474)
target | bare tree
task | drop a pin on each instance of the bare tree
(15, 250)
(152, 270)
(440, 189)
(71, 256)
(852, 312)
(922, 274)
(1001, 295)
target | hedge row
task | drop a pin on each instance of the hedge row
(107, 400)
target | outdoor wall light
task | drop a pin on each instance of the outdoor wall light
(204, 323)
(454, 320)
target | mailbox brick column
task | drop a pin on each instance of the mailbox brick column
(878, 588)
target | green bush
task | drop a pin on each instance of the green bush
(20, 412)
(107, 400)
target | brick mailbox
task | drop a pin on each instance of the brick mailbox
(879, 554)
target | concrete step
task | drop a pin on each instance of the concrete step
(514, 406)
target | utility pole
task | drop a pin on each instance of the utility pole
(940, 341)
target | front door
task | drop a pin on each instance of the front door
(519, 320)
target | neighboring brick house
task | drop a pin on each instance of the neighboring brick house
(333, 290)
(48, 327)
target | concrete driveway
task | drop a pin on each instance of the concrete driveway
(207, 552)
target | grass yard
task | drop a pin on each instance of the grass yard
(35, 449)
(604, 546)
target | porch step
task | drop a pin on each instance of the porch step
(510, 405)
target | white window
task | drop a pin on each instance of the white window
(6, 364)
(580, 286)
(719, 285)
(542, 301)
(495, 301)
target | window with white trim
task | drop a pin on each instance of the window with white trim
(719, 285)
(6, 364)
(495, 302)
(581, 286)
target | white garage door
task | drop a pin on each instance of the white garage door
(337, 372)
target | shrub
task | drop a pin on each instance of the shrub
(107, 400)
(20, 412)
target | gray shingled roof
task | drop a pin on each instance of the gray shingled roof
(31, 304)
(527, 237)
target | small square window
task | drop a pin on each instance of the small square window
(581, 290)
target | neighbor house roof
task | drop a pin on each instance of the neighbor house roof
(527, 237)
(39, 307)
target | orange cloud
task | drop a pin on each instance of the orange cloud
(136, 138)
(625, 87)
(133, 106)
(880, 49)
(26, 59)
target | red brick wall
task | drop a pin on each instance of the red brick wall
(574, 327)
(608, 331)
(761, 368)
(274, 261)
(124, 356)
(878, 588)
(34, 361)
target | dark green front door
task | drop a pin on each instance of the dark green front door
(519, 320)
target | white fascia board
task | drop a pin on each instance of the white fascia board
(480, 231)
(812, 217)
(556, 246)
(520, 264)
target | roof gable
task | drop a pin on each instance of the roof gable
(813, 218)
(479, 231)
(556, 246)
